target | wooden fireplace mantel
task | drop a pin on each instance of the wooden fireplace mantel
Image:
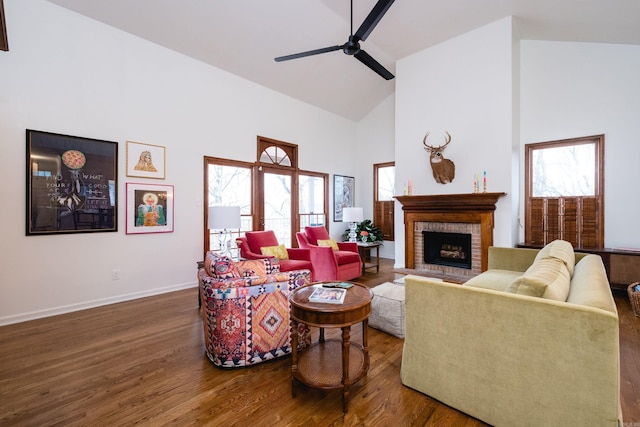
(463, 208)
(450, 202)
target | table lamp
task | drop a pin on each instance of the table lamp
(353, 216)
(224, 218)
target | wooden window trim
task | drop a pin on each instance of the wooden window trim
(290, 149)
(263, 143)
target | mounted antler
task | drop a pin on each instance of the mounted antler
(443, 169)
(447, 139)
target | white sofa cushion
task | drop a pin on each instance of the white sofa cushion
(548, 278)
(495, 279)
(559, 249)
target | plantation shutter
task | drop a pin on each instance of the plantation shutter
(383, 217)
(536, 226)
(570, 217)
(552, 218)
(574, 219)
(590, 237)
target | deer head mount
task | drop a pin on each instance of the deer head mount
(443, 169)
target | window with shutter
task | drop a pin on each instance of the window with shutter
(564, 192)
(383, 203)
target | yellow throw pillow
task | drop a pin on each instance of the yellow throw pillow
(329, 242)
(279, 252)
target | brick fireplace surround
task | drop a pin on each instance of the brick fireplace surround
(458, 213)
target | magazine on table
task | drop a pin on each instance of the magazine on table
(345, 285)
(328, 295)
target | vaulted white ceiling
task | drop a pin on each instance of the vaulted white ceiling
(243, 36)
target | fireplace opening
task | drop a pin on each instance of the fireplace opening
(450, 249)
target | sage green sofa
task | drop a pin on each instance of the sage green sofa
(510, 359)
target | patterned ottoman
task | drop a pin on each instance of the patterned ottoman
(387, 309)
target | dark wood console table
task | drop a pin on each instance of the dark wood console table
(623, 266)
(365, 255)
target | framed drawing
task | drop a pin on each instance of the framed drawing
(72, 184)
(145, 160)
(343, 192)
(149, 208)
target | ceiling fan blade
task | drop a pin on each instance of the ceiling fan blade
(307, 53)
(367, 60)
(373, 18)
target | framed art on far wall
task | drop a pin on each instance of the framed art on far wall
(145, 160)
(72, 184)
(343, 191)
(149, 208)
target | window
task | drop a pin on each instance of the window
(383, 203)
(564, 192)
(228, 183)
(265, 192)
(312, 199)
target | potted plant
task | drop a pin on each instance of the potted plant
(367, 230)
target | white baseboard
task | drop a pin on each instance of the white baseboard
(24, 317)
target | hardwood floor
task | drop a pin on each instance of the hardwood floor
(142, 362)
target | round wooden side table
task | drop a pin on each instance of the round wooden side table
(316, 366)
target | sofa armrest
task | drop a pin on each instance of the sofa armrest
(324, 261)
(299, 254)
(513, 259)
(505, 358)
(348, 246)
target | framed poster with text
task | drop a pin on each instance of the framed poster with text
(72, 184)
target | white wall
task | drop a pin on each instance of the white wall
(376, 138)
(72, 75)
(580, 89)
(463, 86)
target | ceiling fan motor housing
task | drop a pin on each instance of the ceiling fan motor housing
(351, 47)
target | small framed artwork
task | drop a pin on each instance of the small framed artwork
(149, 208)
(145, 160)
(71, 184)
(343, 191)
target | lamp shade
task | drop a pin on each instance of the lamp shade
(352, 215)
(223, 217)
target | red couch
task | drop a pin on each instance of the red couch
(250, 244)
(328, 264)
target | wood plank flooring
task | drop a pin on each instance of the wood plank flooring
(142, 362)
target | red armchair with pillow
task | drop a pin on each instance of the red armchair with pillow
(264, 244)
(331, 260)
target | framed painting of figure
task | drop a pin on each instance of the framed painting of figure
(145, 160)
(343, 191)
(149, 208)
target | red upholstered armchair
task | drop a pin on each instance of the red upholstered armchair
(250, 248)
(329, 264)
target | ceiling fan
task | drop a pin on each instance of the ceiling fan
(352, 46)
